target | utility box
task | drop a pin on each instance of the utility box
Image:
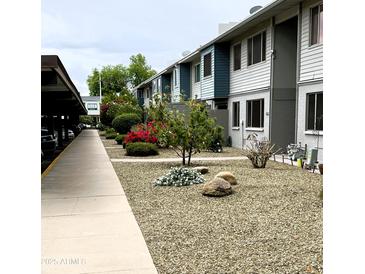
(312, 157)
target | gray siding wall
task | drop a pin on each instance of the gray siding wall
(221, 70)
(311, 61)
(252, 77)
(207, 83)
(185, 80)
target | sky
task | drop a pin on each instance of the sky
(86, 34)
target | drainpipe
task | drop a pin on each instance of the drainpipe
(271, 72)
(299, 46)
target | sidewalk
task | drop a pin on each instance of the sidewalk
(87, 223)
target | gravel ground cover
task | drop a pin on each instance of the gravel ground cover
(271, 224)
(116, 151)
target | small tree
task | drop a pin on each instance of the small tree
(258, 151)
(190, 134)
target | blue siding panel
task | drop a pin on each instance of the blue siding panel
(221, 64)
(185, 80)
(166, 83)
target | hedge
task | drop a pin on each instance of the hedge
(141, 149)
(120, 139)
(123, 123)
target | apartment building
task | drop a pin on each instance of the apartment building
(267, 71)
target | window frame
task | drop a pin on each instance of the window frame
(89, 104)
(234, 56)
(175, 77)
(311, 44)
(262, 48)
(196, 73)
(211, 66)
(236, 116)
(249, 116)
(315, 111)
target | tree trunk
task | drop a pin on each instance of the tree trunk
(190, 152)
(183, 156)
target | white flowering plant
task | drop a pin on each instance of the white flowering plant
(179, 176)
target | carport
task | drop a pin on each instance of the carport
(61, 101)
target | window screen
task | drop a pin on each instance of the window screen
(255, 113)
(237, 57)
(208, 64)
(236, 114)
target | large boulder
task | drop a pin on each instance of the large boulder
(217, 187)
(201, 169)
(228, 176)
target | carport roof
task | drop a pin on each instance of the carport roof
(59, 94)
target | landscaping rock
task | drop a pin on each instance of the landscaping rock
(228, 176)
(217, 187)
(201, 169)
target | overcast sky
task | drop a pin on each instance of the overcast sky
(88, 33)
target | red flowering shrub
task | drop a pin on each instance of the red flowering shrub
(143, 136)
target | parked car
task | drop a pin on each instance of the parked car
(82, 126)
(71, 134)
(48, 142)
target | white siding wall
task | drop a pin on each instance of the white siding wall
(195, 87)
(92, 112)
(146, 97)
(238, 134)
(252, 77)
(175, 91)
(307, 137)
(207, 83)
(311, 57)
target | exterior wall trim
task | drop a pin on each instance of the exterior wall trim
(232, 95)
(310, 82)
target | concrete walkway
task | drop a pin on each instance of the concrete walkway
(87, 223)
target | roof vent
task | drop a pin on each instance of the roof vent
(254, 9)
(186, 53)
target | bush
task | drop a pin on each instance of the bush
(259, 152)
(120, 139)
(141, 149)
(111, 135)
(110, 130)
(123, 123)
(144, 136)
(179, 176)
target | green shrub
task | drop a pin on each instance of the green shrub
(120, 139)
(179, 176)
(141, 149)
(116, 110)
(111, 135)
(123, 123)
(110, 130)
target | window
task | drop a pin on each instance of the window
(237, 57)
(316, 25)
(207, 64)
(197, 73)
(315, 111)
(256, 48)
(92, 106)
(255, 113)
(236, 114)
(175, 77)
(158, 85)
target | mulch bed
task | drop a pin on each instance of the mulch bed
(271, 224)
